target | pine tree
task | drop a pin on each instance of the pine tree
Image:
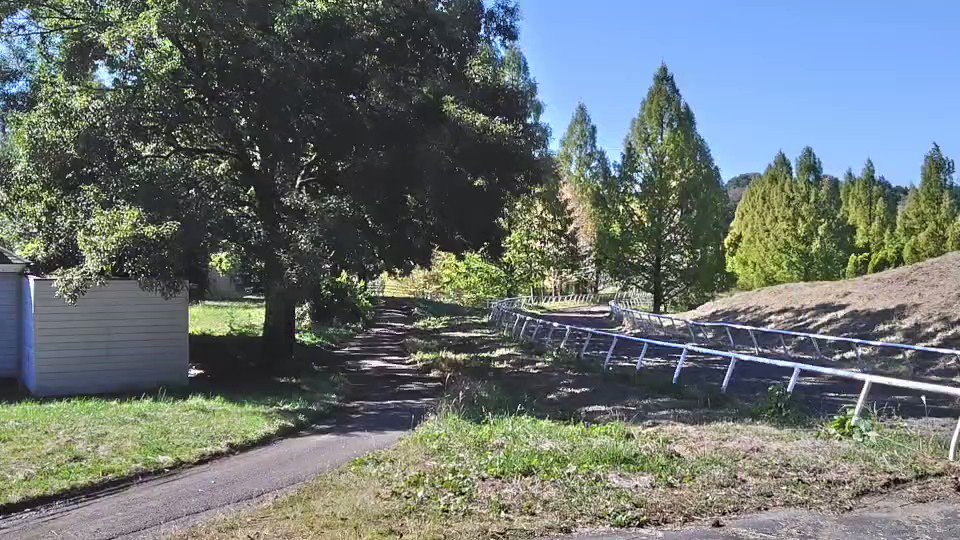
(926, 220)
(789, 228)
(869, 207)
(665, 228)
(583, 167)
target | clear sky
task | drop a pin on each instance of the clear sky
(852, 79)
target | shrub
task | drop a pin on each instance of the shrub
(858, 265)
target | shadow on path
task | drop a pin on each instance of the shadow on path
(386, 397)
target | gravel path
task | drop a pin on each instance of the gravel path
(388, 398)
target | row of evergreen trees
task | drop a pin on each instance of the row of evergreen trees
(659, 220)
(798, 224)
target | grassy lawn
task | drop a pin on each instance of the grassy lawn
(530, 444)
(54, 446)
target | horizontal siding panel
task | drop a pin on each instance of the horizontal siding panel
(170, 353)
(101, 344)
(119, 355)
(147, 315)
(110, 370)
(123, 332)
(96, 325)
(137, 352)
(142, 337)
(129, 308)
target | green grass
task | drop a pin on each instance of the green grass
(53, 446)
(245, 318)
(512, 453)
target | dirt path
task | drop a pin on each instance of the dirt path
(388, 397)
(890, 520)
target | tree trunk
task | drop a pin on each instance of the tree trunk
(657, 291)
(280, 319)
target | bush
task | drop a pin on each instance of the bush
(884, 259)
(469, 280)
(858, 265)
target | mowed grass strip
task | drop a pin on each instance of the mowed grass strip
(491, 463)
(54, 446)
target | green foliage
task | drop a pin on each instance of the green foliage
(929, 214)
(789, 227)
(664, 220)
(239, 125)
(541, 252)
(583, 170)
(779, 407)
(842, 427)
(470, 280)
(869, 205)
(859, 265)
(884, 259)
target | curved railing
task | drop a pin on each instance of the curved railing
(509, 316)
(706, 331)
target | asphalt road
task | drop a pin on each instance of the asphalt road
(388, 398)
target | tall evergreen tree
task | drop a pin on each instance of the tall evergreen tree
(583, 167)
(789, 227)
(869, 207)
(666, 225)
(926, 220)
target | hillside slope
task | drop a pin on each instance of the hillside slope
(918, 304)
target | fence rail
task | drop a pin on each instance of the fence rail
(652, 322)
(509, 316)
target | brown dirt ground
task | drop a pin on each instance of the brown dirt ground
(918, 304)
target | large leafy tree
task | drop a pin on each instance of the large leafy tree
(583, 167)
(666, 223)
(788, 226)
(927, 223)
(312, 137)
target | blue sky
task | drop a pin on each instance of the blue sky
(851, 79)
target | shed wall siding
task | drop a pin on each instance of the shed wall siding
(10, 284)
(116, 338)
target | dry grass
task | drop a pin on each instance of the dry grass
(529, 445)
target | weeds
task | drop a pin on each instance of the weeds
(845, 426)
(779, 407)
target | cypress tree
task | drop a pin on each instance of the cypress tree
(789, 227)
(925, 222)
(869, 207)
(583, 167)
(668, 219)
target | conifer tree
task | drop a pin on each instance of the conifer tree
(665, 227)
(925, 222)
(869, 207)
(789, 228)
(583, 167)
(541, 251)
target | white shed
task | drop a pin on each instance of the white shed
(11, 275)
(116, 338)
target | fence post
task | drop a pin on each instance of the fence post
(728, 376)
(676, 373)
(643, 352)
(523, 329)
(733, 345)
(606, 361)
(536, 330)
(586, 344)
(953, 442)
(756, 346)
(793, 380)
(553, 327)
(566, 336)
(783, 344)
(516, 322)
(860, 401)
(816, 347)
